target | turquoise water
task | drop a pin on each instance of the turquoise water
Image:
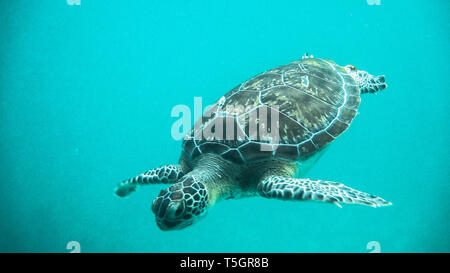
(86, 94)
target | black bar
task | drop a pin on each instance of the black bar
(219, 262)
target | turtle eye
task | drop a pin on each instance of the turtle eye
(155, 204)
(179, 210)
(351, 67)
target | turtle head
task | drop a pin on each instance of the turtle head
(181, 204)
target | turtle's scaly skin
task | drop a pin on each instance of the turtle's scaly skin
(316, 100)
(313, 100)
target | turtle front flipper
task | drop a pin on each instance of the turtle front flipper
(163, 175)
(287, 188)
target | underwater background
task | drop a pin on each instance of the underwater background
(86, 96)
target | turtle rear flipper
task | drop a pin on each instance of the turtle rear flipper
(373, 84)
(367, 83)
(163, 175)
(287, 188)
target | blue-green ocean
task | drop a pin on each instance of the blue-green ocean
(86, 97)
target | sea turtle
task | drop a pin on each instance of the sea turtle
(299, 107)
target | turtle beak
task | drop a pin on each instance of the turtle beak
(167, 225)
(171, 214)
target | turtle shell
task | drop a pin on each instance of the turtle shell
(288, 112)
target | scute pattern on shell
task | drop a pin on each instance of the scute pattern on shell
(315, 99)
